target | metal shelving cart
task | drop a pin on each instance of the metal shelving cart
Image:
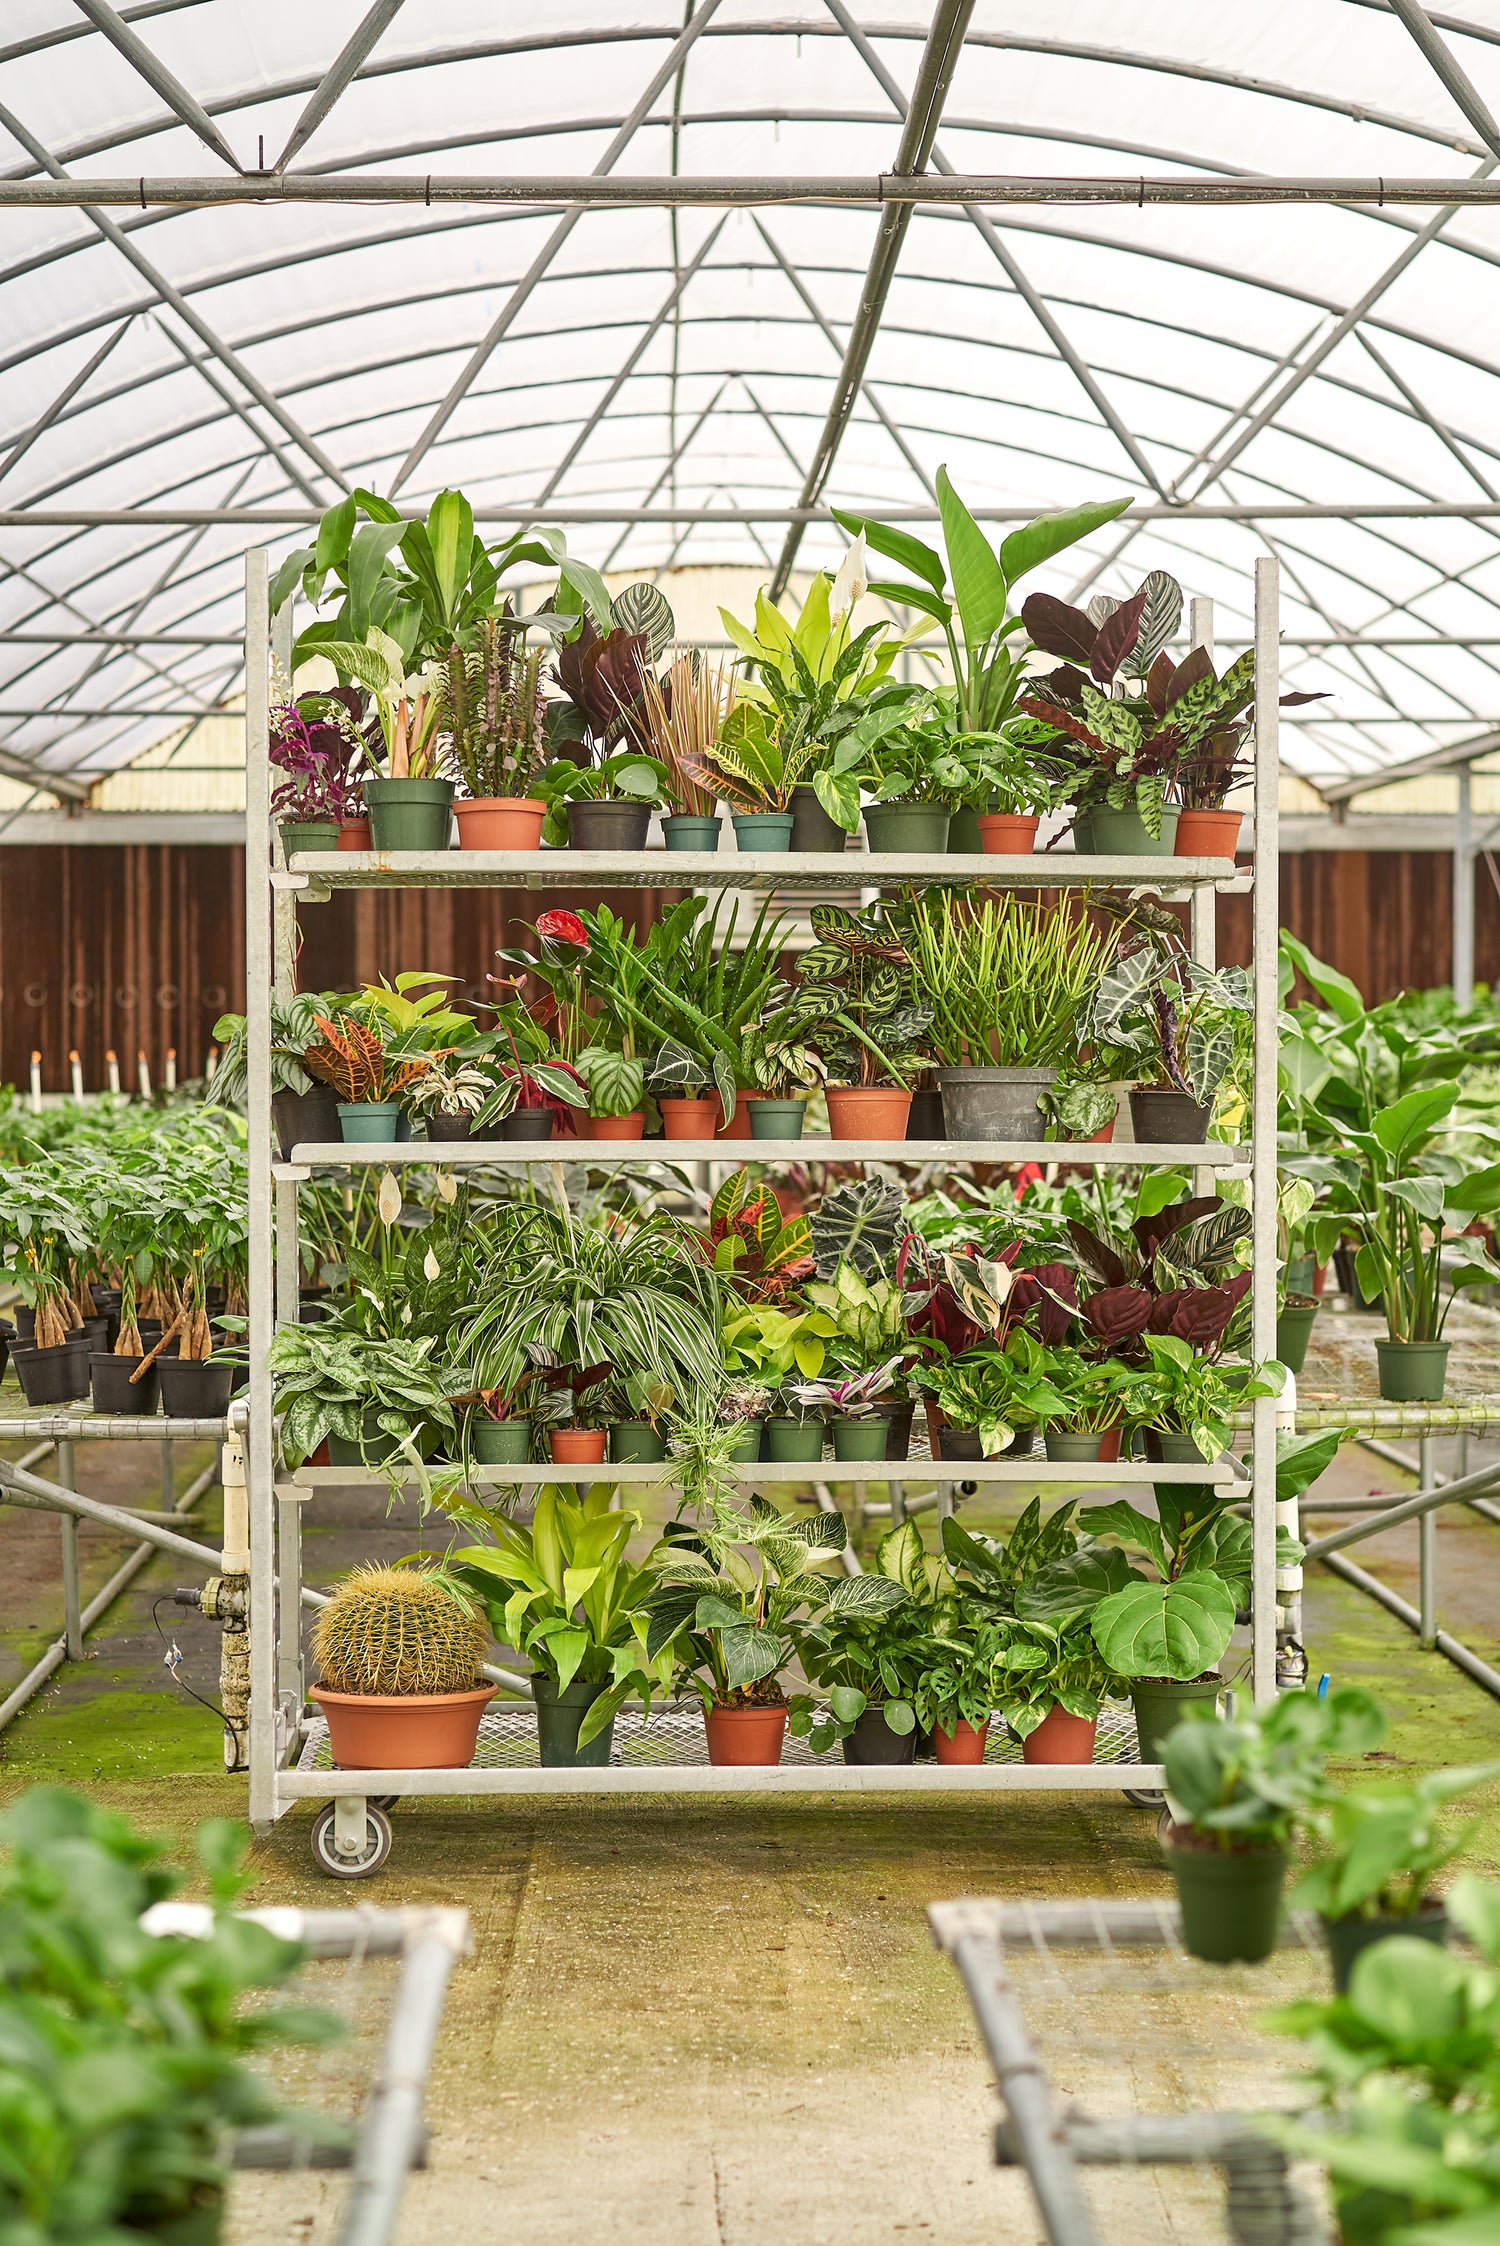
(287, 1756)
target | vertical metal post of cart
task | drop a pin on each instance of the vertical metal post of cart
(67, 1475)
(1263, 1124)
(1204, 909)
(291, 1696)
(1427, 1548)
(258, 1460)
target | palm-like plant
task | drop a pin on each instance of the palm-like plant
(683, 715)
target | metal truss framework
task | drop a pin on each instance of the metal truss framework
(155, 571)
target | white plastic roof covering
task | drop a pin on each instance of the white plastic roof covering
(356, 320)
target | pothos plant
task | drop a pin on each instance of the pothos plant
(856, 1003)
(871, 1651)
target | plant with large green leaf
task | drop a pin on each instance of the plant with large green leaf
(1035, 1592)
(732, 1582)
(1248, 1783)
(294, 1026)
(1377, 1846)
(1008, 981)
(986, 645)
(365, 1389)
(902, 750)
(565, 1592)
(871, 1650)
(1416, 1199)
(856, 1003)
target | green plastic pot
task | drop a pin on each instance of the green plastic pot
(309, 834)
(1071, 1443)
(635, 1442)
(689, 830)
(1173, 1449)
(1412, 1372)
(1230, 1900)
(1124, 834)
(379, 1447)
(1160, 1704)
(369, 1122)
(859, 1438)
(1346, 1937)
(501, 1442)
(1083, 833)
(777, 1119)
(788, 1439)
(747, 1450)
(558, 1716)
(964, 838)
(1294, 1325)
(916, 828)
(763, 830)
(812, 829)
(409, 814)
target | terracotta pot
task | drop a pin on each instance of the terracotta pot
(411, 1731)
(618, 1126)
(1109, 1446)
(1060, 1737)
(876, 1111)
(1207, 834)
(738, 1737)
(578, 1446)
(691, 1119)
(354, 834)
(500, 822)
(966, 1745)
(1101, 1138)
(737, 1125)
(1004, 834)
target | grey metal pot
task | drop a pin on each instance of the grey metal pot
(994, 1103)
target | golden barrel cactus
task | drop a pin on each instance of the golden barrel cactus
(399, 1631)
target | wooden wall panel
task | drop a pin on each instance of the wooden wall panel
(1383, 917)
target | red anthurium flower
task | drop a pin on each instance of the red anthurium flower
(563, 928)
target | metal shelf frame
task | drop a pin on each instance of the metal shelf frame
(278, 1708)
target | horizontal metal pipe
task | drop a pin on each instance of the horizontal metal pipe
(138, 639)
(1409, 1509)
(291, 515)
(1394, 1457)
(1453, 1649)
(730, 191)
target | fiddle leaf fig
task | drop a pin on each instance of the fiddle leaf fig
(1166, 1629)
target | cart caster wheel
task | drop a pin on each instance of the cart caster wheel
(377, 1844)
(1143, 1797)
(382, 1801)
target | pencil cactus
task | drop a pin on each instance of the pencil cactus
(399, 1631)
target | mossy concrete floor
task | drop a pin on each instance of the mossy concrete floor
(694, 2022)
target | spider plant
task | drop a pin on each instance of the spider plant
(1006, 980)
(683, 716)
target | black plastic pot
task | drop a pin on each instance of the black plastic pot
(53, 1376)
(812, 829)
(449, 1130)
(608, 826)
(959, 1443)
(198, 1387)
(1161, 1117)
(898, 1432)
(111, 1389)
(1346, 1937)
(925, 1119)
(873, 1741)
(305, 1119)
(94, 1332)
(530, 1123)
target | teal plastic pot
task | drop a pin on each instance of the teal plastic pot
(859, 1438)
(690, 831)
(777, 1119)
(1294, 1325)
(409, 814)
(1346, 1937)
(369, 1122)
(763, 830)
(1071, 1443)
(1161, 1703)
(1230, 1900)
(747, 1450)
(501, 1442)
(558, 1716)
(309, 834)
(918, 829)
(787, 1439)
(1412, 1372)
(1124, 834)
(635, 1442)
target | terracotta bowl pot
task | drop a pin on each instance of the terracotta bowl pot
(410, 1731)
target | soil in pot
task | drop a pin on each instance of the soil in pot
(1061, 1738)
(618, 1126)
(1004, 834)
(635, 1442)
(1346, 1937)
(918, 829)
(369, 1122)
(409, 814)
(410, 1731)
(1161, 1117)
(924, 1118)
(309, 834)
(1072, 1443)
(608, 826)
(354, 834)
(763, 830)
(577, 1446)
(1207, 834)
(1412, 1372)
(965, 1746)
(52, 1376)
(1230, 1897)
(686, 830)
(1161, 1703)
(742, 1737)
(812, 829)
(777, 1119)
(305, 1119)
(500, 822)
(533, 1123)
(859, 1439)
(198, 1387)
(691, 1119)
(874, 1111)
(1294, 1325)
(500, 1442)
(111, 1389)
(994, 1103)
(559, 1713)
(787, 1439)
(873, 1741)
(1124, 834)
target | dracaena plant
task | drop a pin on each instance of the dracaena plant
(406, 701)
(986, 643)
(730, 1584)
(855, 1002)
(683, 715)
(491, 709)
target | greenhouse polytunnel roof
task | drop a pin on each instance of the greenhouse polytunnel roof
(690, 385)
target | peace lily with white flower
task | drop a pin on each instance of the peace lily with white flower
(407, 705)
